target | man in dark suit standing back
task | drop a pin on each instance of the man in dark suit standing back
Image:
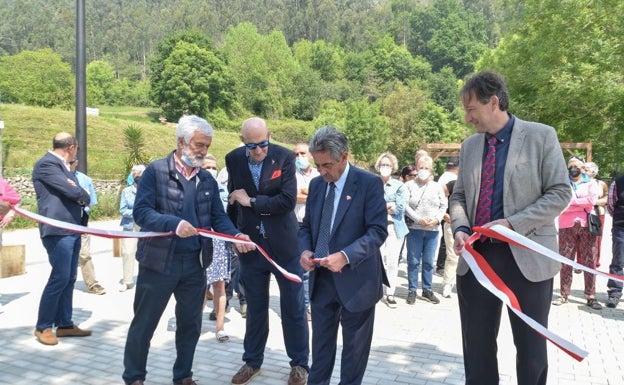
(60, 197)
(344, 226)
(263, 194)
(511, 173)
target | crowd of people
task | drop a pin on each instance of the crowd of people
(343, 231)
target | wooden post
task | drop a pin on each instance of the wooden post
(116, 247)
(12, 260)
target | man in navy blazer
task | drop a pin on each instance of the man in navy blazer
(346, 282)
(263, 194)
(60, 197)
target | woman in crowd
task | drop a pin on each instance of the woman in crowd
(395, 195)
(574, 235)
(427, 204)
(129, 245)
(219, 270)
(591, 169)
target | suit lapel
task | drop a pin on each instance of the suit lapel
(348, 192)
(518, 135)
(475, 163)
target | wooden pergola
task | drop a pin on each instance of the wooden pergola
(438, 150)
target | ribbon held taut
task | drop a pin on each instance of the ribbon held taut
(493, 283)
(147, 234)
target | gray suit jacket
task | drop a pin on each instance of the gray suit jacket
(536, 191)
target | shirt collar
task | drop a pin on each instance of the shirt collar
(504, 134)
(181, 168)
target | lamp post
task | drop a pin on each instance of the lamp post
(81, 93)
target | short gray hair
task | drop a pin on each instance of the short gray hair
(329, 139)
(189, 124)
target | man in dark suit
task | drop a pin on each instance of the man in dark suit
(60, 197)
(263, 192)
(528, 188)
(345, 262)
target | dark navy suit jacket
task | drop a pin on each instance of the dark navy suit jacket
(360, 228)
(275, 199)
(57, 197)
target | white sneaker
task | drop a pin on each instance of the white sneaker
(447, 290)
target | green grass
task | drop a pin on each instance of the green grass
(29, 131)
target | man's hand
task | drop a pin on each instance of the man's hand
(185, 229)
(460, 240)
(71, 182)
(5, 207)
(241, 197)
(244, 247)
(306, 260)
(7, 218)
(334, 262)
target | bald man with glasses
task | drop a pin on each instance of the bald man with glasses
(263, 195)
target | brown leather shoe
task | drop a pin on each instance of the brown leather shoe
(46, 337)
(74, 331)
(244, 375)
(185, 381)
(298, 376)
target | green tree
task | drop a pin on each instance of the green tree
(263, 69)
(194, 81)
(38, 78)
(366, 129)
(563, 66)
(100, 79)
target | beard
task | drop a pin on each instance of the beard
(196, 159)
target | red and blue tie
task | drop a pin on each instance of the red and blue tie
(484, 206)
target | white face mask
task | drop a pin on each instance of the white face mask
(423, 174)
(385, 171)
(213, 172)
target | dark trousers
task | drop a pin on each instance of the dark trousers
(255, 274)
(357, 334)
(56, 305)
(187, 282)
(441, 250)
(480, 314)
(617, 261)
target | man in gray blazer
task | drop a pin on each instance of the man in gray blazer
(529, 190)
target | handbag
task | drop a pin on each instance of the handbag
(593, 224)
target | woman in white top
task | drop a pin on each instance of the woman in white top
(427, 204)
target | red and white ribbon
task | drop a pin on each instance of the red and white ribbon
(491, 281)
(148, 234)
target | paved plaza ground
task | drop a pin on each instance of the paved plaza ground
(418, 344)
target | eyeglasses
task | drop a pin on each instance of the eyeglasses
(253, 146)
(412, 175)
(73, 161)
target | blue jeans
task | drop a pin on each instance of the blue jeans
(617, 261)
(421, 246)
(56, 305)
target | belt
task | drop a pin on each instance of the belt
(493, 240)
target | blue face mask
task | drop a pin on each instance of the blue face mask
(302, 162)
(186, 160)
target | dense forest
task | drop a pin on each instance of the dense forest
(385, 71)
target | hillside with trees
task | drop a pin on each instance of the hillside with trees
(385, 71)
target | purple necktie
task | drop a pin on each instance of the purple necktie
(484, 206)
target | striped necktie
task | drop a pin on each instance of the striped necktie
(484, 206)
(322, 242)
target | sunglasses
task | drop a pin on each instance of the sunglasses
(253, 146)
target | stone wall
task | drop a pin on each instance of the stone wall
(24, 186)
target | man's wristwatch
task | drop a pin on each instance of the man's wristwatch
(252, 202)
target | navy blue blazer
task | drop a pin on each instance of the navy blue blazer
(360, 228)
(57, 197)
(276, 197)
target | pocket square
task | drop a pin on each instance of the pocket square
(276, 174)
